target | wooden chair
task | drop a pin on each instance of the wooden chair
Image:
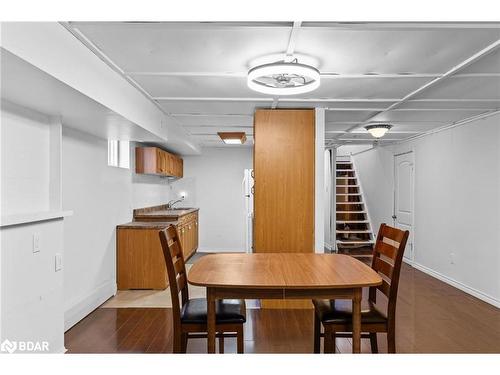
(336, 315)
(190, 315)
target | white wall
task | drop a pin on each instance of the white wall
(213, 182)
(31, 303)
(101, 198)
(25, 160)
(327, 198)
(457, 202)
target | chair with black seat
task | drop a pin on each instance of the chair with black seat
(336, 315)
(190, 315)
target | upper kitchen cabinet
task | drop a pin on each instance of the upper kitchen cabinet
(154, 160)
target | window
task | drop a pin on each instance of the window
(118, 153)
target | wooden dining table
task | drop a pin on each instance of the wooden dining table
(282, 276)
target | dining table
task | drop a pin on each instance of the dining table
(282, 276)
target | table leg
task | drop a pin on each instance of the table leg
(210, 320)
(356, 321)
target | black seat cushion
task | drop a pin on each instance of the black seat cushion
(226, 311)
(340, 312)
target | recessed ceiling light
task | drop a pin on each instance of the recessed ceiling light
(283, 78)
(378, 130)
(233, 138)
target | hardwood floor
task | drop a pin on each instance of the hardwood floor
(433, 317)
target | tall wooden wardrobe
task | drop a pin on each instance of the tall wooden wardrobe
(284, 168)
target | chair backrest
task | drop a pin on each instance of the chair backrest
(387, 258)
(176, 268)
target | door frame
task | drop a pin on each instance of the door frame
(411, 260)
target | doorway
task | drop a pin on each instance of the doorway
(404, 189)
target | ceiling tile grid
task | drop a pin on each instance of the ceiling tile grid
(404, 74)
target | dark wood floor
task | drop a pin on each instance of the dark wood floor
(433, 317)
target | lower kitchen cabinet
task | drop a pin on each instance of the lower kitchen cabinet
(139, 255)
(188, 233)
(139, 258)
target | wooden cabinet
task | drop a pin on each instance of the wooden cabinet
(284, 154)
(154, 160)
(139, 259)
(284, 169)
(188, 232)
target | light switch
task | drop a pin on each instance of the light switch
(36, 242)
(59, 262)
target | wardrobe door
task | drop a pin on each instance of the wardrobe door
(284, 154)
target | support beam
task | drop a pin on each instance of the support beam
(291, 42)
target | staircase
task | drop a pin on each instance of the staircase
(354, 235)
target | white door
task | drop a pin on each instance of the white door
(403, 198)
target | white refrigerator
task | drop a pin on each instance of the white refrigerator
(248, 191)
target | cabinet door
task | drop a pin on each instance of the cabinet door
(195, 245)
(181, 168)
(174, 165)
(160, 161)
(182, 237)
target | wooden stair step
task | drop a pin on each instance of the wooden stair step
(353, 231)
(347, 186)
(351, 221)
(351, 212)
(347, 193)
(346, 177)
(356, 242)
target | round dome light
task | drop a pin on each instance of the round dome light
(378, 130)
(283, 78)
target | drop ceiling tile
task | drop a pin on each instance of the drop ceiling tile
(441, 116)
(342, 116)
(213, 107)
(464, 88)
(240, 120)
(197, 86)
(366, 88)
(179, 47)
(487, 64)
(367, 136)
(201, 130)
(458, 104)
(372, 105)
(337, 127)
(391, 51)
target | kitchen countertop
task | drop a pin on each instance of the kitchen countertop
(166, 213)
(147, 225)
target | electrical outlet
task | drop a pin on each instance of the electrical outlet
(452, 258)
(58, 262)
(36, 242)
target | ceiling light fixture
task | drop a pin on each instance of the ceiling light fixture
(378, 130)
(233, 138)
(283, 78)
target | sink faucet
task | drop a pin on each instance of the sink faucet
(171, 203)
